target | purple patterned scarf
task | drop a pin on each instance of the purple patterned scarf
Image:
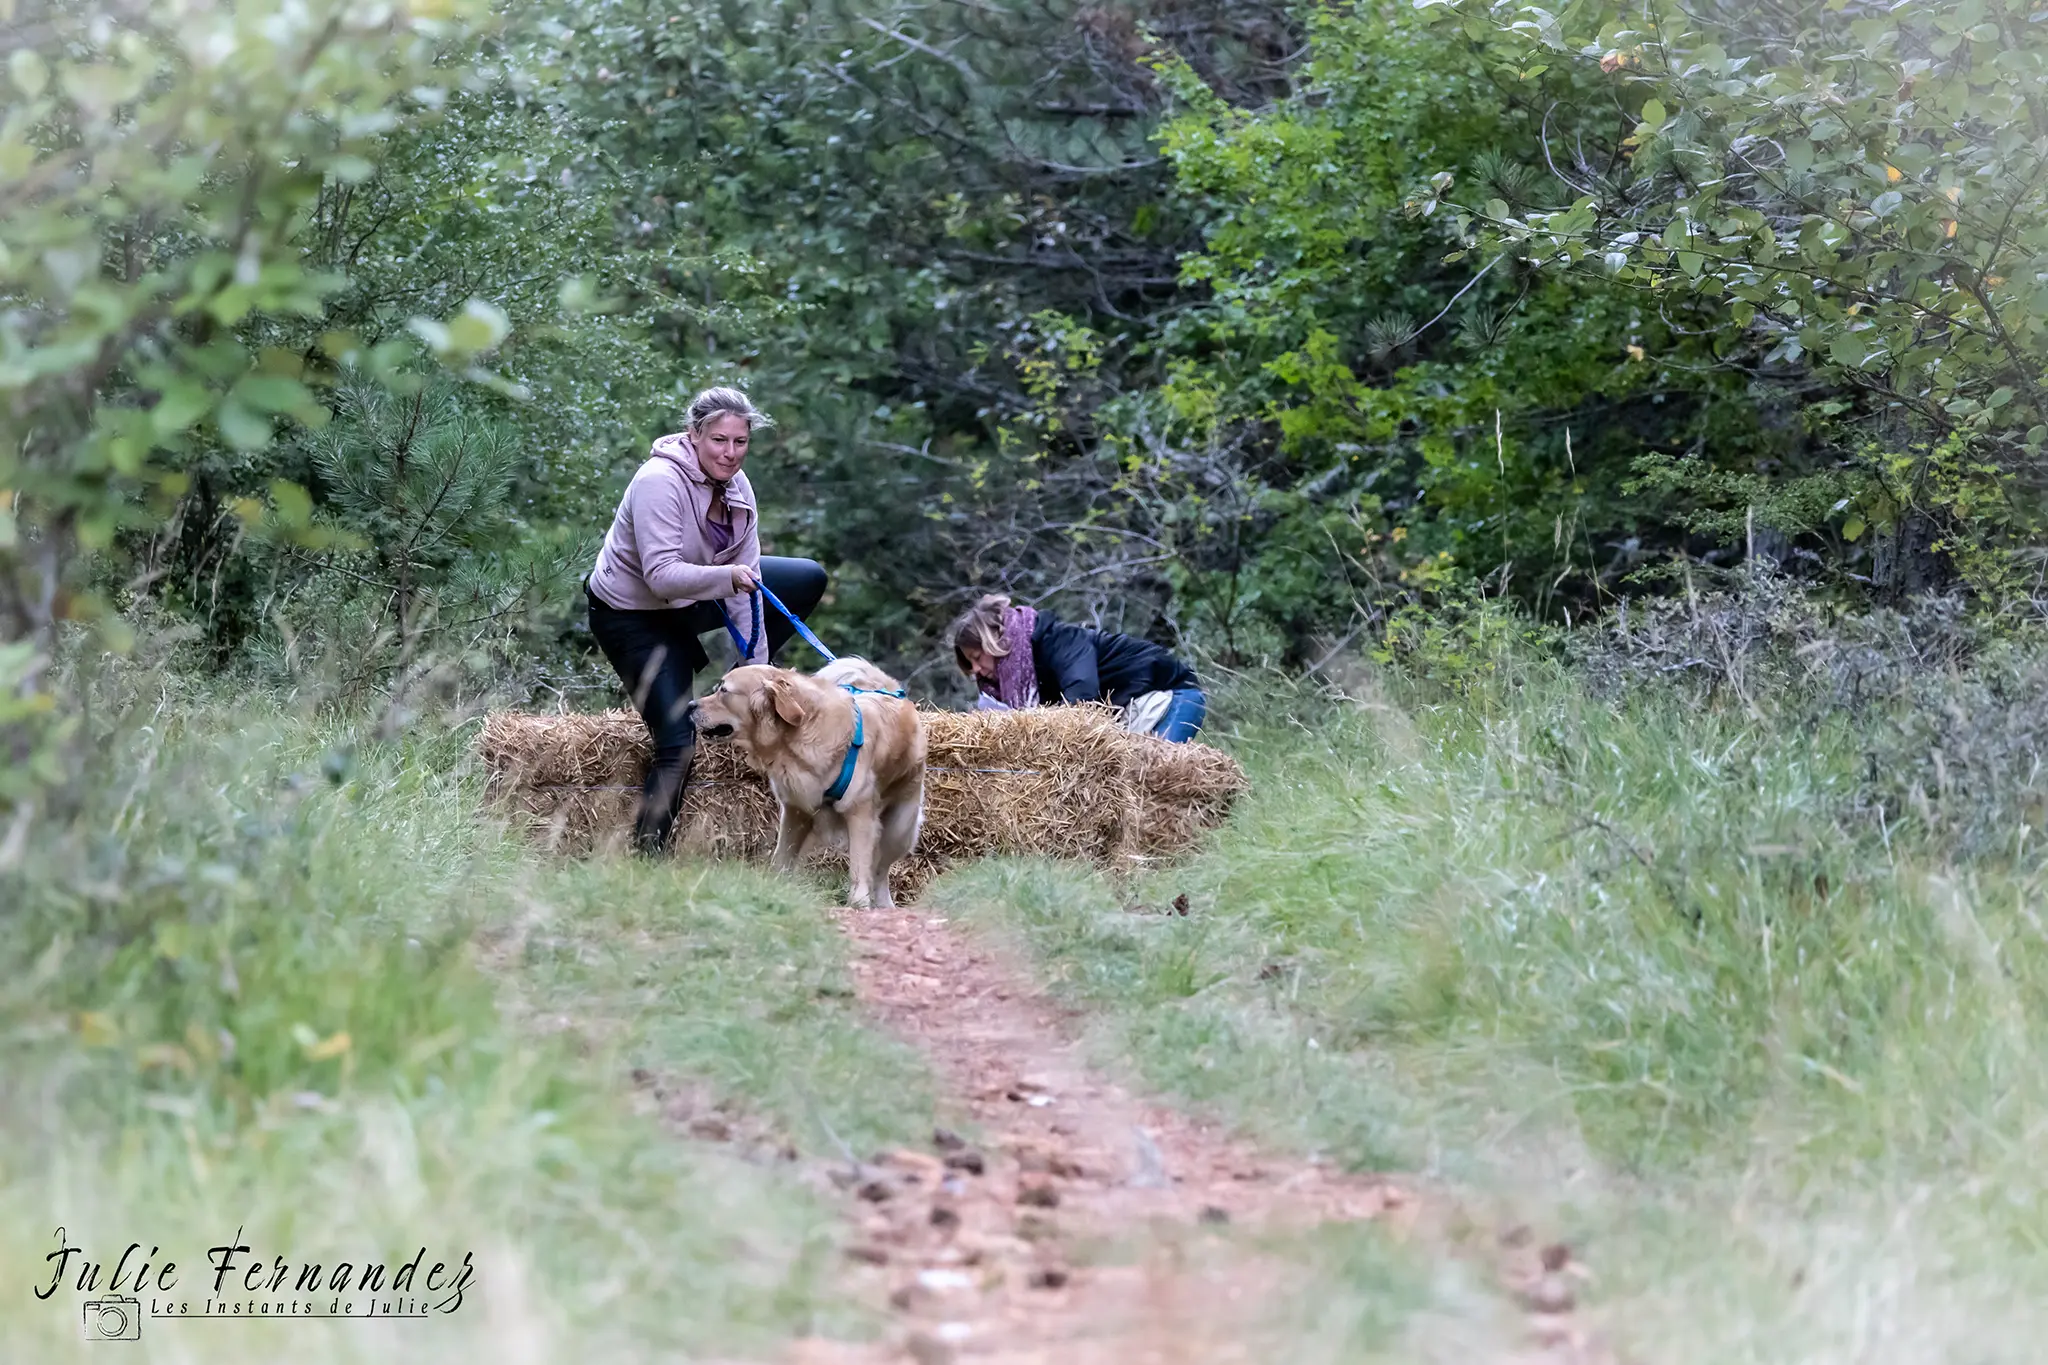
(1016, 684)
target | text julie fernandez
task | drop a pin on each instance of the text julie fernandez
(244, 1285)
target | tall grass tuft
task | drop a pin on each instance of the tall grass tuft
(266, 972)
(1682, 969)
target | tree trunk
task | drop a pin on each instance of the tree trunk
(1904, 562)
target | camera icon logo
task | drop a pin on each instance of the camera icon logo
(113, 1320)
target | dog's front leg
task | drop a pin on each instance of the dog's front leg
(790, 838)
(863, 835)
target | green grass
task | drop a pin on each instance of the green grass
(1653, 978)
(265, 986)
(1647, 976)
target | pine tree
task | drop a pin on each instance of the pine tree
(426, 483)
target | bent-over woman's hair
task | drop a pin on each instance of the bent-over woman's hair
(725, 402)
(980, 629)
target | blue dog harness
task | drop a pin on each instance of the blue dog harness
(845, 778)
(748, 644)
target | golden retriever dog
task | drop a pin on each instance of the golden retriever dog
(798, 730)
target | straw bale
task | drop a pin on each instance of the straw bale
(1060, 781)
(1183, 791)
(1053, 780)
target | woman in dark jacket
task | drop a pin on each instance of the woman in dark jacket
(1021, 657)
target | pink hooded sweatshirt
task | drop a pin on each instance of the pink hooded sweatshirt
(659, 552)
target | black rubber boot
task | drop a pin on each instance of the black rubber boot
(668, 776)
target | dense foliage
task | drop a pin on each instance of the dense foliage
(1857, 191)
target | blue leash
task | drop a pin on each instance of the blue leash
(747, 645)
(801, 629)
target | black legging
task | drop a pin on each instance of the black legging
(657, 654)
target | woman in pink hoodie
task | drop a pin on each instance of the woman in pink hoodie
(683, 558)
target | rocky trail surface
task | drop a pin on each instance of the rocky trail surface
(1083, 1224)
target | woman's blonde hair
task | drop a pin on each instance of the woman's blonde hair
(980, 629)
(725, 402)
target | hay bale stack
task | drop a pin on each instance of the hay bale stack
(1054, 780)
(1058, 781)
(1183, 791)
(577, 780)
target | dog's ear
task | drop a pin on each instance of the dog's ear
(786, 702)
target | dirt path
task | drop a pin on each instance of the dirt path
(1089, 1227)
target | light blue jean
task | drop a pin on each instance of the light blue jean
(1184, 715)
